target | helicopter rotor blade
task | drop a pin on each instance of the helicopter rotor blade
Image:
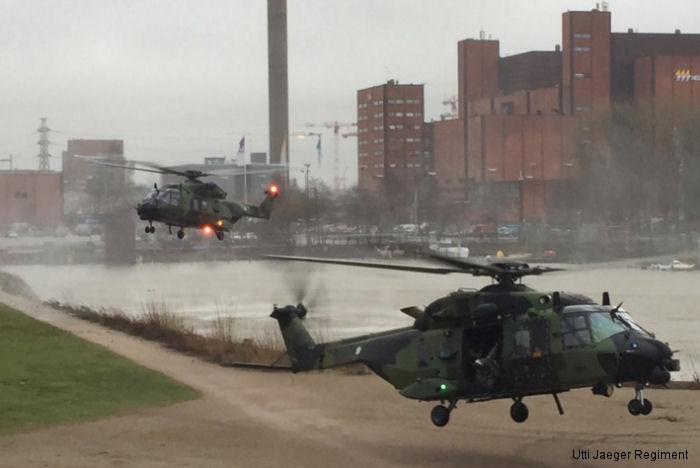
(148, 167)
(298, 284)
(101, 162)
(302, 286)
(466, 266)
(385, 266)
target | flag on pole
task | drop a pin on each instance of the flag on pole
(240, 157)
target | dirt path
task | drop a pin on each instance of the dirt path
(251, 418)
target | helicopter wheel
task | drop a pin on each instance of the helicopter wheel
(518, 411)
(635, 407)
(440, 416)
(180, 234)
(220, 235)
(150, 229)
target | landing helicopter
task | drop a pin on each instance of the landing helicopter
(193, 203)
(505, 340)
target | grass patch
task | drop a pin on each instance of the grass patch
(49, 376)
(159, 324)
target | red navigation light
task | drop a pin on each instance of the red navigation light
(273, 190)
(207, 229)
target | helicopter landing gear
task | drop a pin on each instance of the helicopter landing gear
(639, 405)
(220, 235)
(518, 411)
(150, 229)
(180, 233)
(440, 415)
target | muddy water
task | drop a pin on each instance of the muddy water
(348, 301)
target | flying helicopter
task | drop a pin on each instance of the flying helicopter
(505, 340)
(193, 203)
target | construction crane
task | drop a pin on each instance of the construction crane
(336, 126)
(343, 178)
(453, 112)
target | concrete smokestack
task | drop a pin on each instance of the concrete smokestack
(277, 81)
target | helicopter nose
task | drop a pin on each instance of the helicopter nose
(648, 360)
(145, 209)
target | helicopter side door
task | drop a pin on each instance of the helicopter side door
(526, 358)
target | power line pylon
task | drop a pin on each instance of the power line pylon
(43, 145)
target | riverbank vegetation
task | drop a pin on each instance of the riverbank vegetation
(158, 323)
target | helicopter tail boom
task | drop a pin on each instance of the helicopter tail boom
(264, 210)
(302, 349)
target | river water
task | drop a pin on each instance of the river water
(346, 301)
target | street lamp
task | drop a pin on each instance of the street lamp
(521, 207)
(306, 189)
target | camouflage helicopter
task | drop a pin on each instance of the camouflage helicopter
(505, 340)
(193, 203)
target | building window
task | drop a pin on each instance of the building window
(582, 35)
(582, 108)
(582, 49)
(581, 75)
(507, 108)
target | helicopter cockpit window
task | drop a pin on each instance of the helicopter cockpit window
(153, 193)
(627, 321)
(171, 197)
(575, 330)
(603, 326)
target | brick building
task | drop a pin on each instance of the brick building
(30, 197)
(390, 137)
(511, 149)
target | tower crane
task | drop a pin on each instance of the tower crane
(453, 112)
(348, 131)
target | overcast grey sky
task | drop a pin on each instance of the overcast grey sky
(181, 80)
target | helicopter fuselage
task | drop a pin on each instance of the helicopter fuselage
(504, 341)
(195, 204)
